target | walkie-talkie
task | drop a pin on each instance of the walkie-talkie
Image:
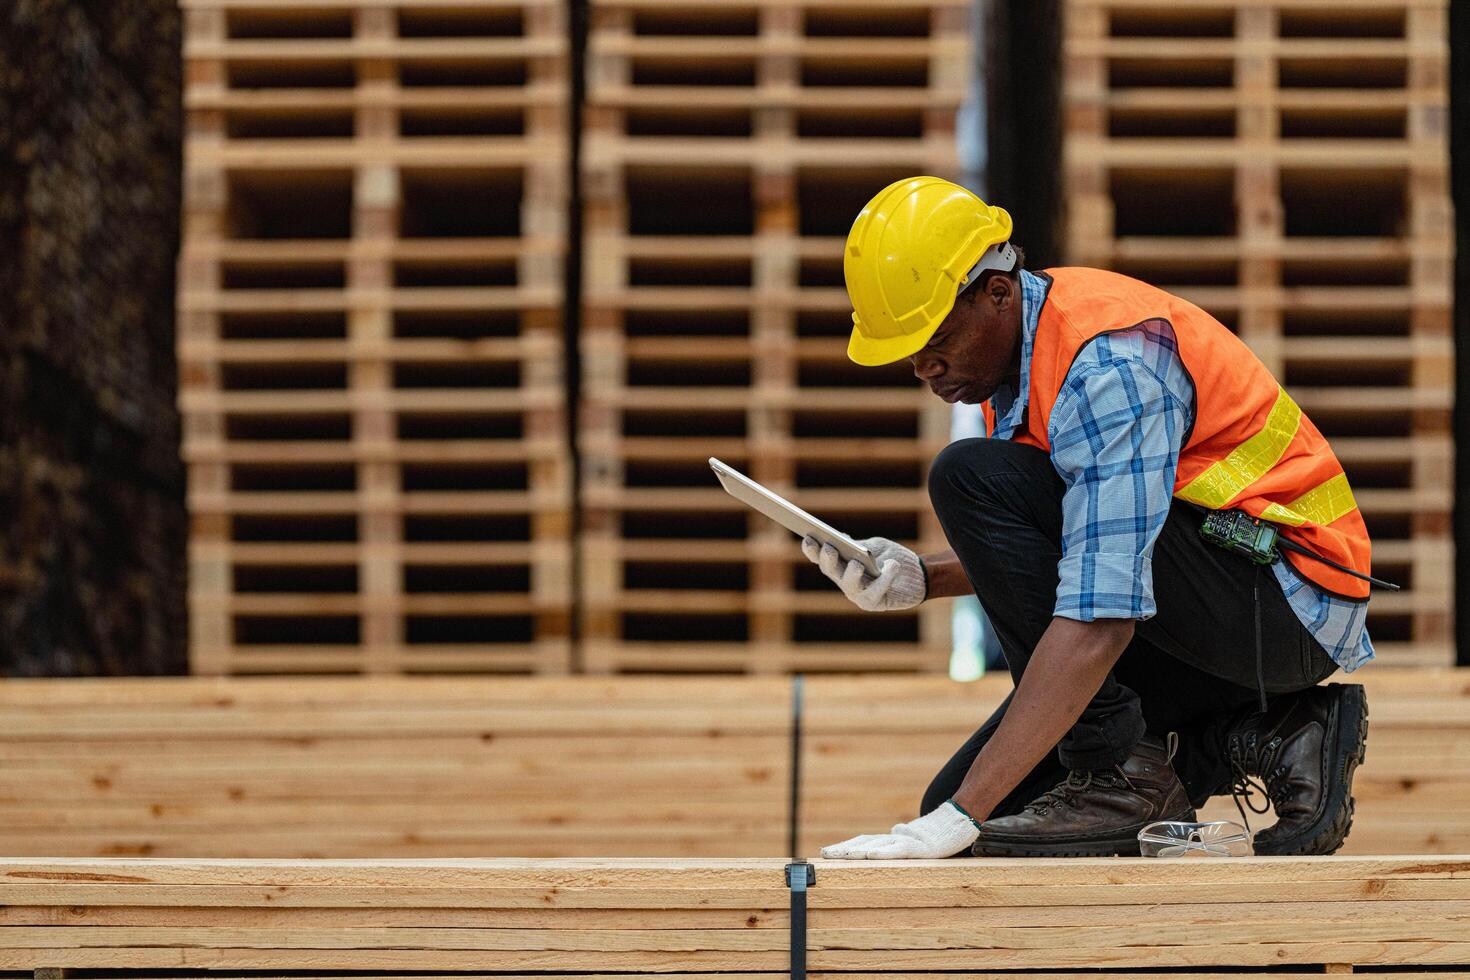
(1237, 531)
(1260, 541)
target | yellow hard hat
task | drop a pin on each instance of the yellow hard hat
(915, 245)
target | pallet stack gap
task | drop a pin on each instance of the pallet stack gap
(727, 149)
(371, 307)
(1284, 164)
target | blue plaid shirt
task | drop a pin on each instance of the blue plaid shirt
(1116, 431)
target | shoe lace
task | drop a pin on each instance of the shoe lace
(1069, 791)
(1249, 757)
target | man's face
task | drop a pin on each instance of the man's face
(976, 348)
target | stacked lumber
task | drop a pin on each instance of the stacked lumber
(872, 745)
(371, 343)
(727, 150)
(395, 767)
(1283, 163)
(622, 916)
(570, 767)
(483, 915)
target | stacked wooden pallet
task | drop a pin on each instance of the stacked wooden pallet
(1283, 163)
(727, 150)
(371, 298)
(565, 767)
(905, 919)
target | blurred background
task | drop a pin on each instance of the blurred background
(392, 337)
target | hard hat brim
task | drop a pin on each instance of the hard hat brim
(871, 352)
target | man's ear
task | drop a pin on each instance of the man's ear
(1001, 291)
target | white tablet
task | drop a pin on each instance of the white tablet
(788, 515)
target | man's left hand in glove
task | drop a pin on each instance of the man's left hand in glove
(901, 583)
(941, 833)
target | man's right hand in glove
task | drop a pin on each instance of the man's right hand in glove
(900, 584)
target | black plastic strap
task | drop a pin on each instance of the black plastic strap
(794, 810)
(799, 877)
(1256, 605)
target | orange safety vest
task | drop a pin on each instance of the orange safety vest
(1251, 447)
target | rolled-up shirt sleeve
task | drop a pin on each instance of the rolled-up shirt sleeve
(1115, 432)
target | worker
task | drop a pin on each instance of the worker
(1116, 526)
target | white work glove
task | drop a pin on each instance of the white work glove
(900, 582)
(941, 833)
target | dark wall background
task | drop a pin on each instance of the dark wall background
(1023, 79)
(92, 521)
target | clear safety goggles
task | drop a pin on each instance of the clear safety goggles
(1001, 257)
(1177, 838)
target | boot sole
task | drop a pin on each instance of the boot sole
(1348, 741)
(1121, 846)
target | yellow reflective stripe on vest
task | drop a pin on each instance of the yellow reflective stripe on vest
(1322, 504)
(1249, 461)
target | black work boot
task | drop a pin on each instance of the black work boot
(1093, 813)
(1305, 747)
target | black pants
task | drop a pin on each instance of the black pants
(1187, 668)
